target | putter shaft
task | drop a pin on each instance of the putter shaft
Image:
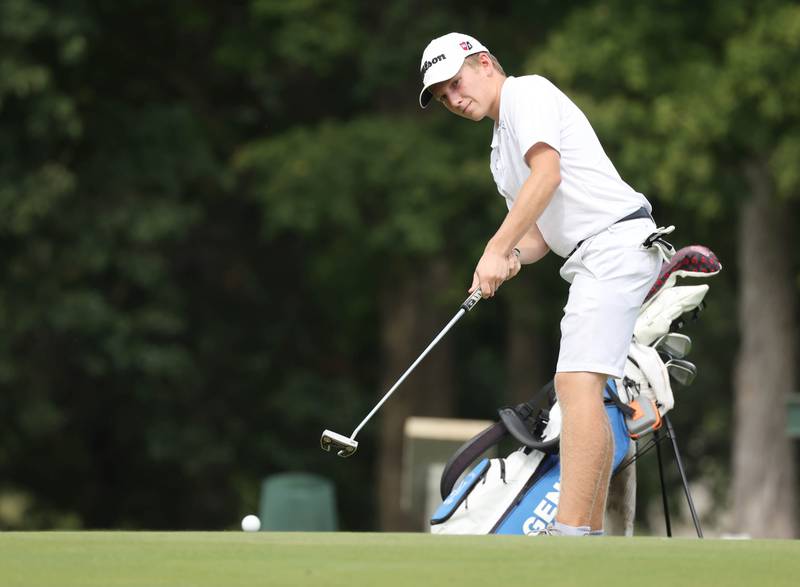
(465, 307)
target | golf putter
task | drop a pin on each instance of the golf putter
(346, 446)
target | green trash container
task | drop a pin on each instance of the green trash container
(301, 502)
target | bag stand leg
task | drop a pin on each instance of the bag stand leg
(655, 442)
(671, 434)
(657, 435)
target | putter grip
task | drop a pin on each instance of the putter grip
(471, 300)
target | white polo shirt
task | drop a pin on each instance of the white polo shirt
(592, 196)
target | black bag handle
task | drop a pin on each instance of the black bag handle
(512, 421)
(517, 428)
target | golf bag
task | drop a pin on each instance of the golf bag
(519, 494)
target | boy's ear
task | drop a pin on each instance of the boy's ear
(485, 61)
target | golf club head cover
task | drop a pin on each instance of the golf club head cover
(656, 316)
(691, 261)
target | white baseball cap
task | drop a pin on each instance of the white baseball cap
(442, 59)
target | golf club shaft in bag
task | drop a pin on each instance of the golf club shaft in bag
(347, 446)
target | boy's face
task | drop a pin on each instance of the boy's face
(468, 92)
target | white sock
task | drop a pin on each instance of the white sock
(567, 530)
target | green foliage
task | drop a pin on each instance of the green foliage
(684, 95)
(38, 115)
(760, 73)
(386, 185)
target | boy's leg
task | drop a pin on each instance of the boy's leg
(598, 516)
(610, 274)
(586, 449)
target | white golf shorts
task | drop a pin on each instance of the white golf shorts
(610, 275)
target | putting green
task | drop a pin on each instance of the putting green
(228, 559)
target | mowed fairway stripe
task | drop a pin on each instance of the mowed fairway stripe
(232, 559)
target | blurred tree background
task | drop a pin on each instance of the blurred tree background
(227, 226)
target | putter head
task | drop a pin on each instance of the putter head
(344, 446)
(680, 371)
(675, 344)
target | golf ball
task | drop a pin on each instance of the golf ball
(251, 523)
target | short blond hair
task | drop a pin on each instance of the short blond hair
(472, 60)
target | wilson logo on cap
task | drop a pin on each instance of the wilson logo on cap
(466, 45)
(427, 65)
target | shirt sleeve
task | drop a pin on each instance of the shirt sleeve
(534, 114)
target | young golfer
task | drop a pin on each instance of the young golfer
(563, 194)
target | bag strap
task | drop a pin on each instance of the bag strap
(614, 398)
(467, 453)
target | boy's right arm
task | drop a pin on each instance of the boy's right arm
(532, 246)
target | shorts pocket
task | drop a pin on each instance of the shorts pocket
(607, 258)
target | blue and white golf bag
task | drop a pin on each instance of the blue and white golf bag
(519, 494)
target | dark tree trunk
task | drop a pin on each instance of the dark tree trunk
(763, 460)
(528, 364)
(411, 319)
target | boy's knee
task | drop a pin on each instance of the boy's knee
(578, 384)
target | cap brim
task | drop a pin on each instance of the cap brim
(441, 74)
(425, 97)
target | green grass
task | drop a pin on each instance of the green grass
(228, 559)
